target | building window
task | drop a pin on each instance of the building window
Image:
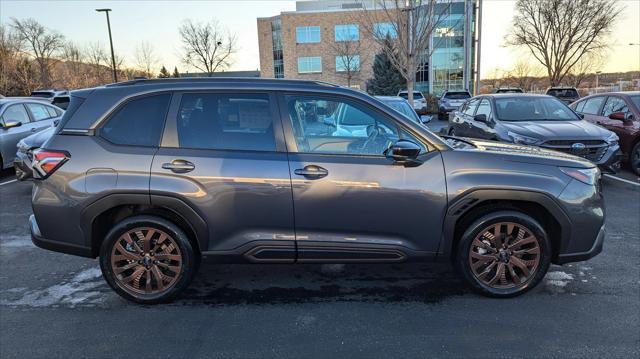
(347, 32)
(309, 64)
(276, 35)
(307, 34)
(383, 29)
(348, 63)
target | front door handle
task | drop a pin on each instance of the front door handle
(311, 171)
(179, 166)
(33, 129)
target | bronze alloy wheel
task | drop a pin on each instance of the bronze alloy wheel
(146, 261)
(504, 255)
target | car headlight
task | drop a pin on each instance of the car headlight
(22, 147)
(612, 140)
(585, 175)
(517, 138)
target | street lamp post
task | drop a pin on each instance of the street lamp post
(113, 58)
(597, 74)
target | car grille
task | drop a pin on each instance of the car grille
(593, 150)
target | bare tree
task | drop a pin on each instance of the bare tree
(559, 33)
(97, 58)
(348, 62)
(524, 74)
(146, 59)
(39, 42)
(412, 22)
(585, 68)
(9, 47)
(207, 46)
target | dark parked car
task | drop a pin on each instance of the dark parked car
(537, 120)
(19, 118)
(508, 90)
(150, 175)
(24, 154)
(564, 94)
(618, 112)
(451, 101)
(48, 94)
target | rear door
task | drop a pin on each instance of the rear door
(41, 115)
(484, 130)
(592, 108)
(467, 125)
(223, 155)
(350, 202)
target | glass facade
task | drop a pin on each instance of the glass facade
(347, 32)
(308, 65)
(384, 29)
(276, 36)
(307, 34)
(344, 63)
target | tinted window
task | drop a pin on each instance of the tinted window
(337, 127)
(470, 109)
(39, 112)
(457, 95)
(226, 122)
(416, 95)
(636, 100)
(139, 122)
(526, 108)
(614, 104)
(484, 108)
(592, 105)
(15, 113)
(563, 92)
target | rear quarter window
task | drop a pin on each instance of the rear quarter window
(138, 122)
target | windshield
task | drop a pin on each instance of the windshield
(636, 100)
(457, 95)
(563, 92)
(404, 108)
(533, 109)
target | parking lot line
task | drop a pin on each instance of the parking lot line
(4, 183)
(622, 179)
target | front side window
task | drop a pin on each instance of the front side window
(578, 107)
(226, 122)
(309, 64)
(347, 32)
(383, 30)
(592, 105)
(348, 63)
(15, 113)
(139, 122)
(332, 126)
(484, 108)
(39, 111)
(307, 34)
(615, 104)
(471, 107)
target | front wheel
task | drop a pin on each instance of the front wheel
(147, 259)
(504, 254)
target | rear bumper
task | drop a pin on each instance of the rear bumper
(62, 247)
(583, 256)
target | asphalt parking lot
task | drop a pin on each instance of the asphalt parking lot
(57, 306)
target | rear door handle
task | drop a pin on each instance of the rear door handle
(179, 166)
(311, 171)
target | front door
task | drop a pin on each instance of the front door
(9, 137)
(224, 156)
(351, 203)
(624, 129)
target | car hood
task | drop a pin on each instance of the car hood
(549, 130)
(37, 139)
(527, 154)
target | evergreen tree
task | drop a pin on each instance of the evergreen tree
(163, 73)
(386, 80)
(176, 74)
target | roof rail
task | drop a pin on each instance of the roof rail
(218, 80)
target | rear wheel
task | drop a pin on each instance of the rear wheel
(147, 259)
(634, 159)
(504, 254)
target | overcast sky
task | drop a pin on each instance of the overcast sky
(157, 23)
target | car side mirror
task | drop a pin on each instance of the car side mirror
(11, 124)
(404, 152)
(56, 123)
(480, 118)
(581, 115)
(425, 119)
(621, 116)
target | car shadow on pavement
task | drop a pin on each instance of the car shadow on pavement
(252, 284)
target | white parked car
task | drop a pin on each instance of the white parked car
(419, 102)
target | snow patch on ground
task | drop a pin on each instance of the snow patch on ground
(81, 289)
(16, 242)
(556, 281)
(559, 276)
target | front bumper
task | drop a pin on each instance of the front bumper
(583, 256)
(68, 248)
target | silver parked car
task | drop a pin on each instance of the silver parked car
(19, 118)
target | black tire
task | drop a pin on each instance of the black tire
(491, 219)
(452, 131)
(188, 263)
(634, 159)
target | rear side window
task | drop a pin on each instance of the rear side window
(592, 105)
(226, 122)
(40, 112)
(138, 123)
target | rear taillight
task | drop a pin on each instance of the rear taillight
(45, 162)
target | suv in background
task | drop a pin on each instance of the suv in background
(450, 101)
(150, 175)
(618, 112)
(48, 94)
(419, 102)
(537, 120)
(564, 94)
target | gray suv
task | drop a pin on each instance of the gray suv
(150, 175)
